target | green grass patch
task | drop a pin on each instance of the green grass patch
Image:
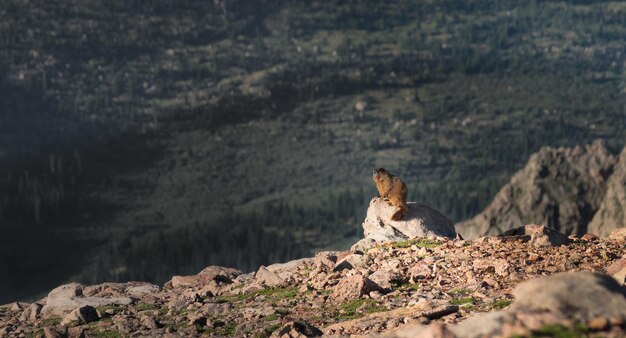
(271, 317)
(462, 301)
(145, 307)
(348, 310)
(501, 304)
(105, 334)
(409, 286)
(403, 285)
(175, 326)
(271, 329)
(228, 330)
(36, 333)
(560, 331)
(420, 243)
(272, 295)
(52, 321)
(115, 307)
(163, 311)
(459, 292)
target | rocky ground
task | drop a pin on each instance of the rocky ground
(425, 286)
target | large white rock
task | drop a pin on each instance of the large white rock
(68, 297)
(420, 221)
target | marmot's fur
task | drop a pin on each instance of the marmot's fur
(393, 190)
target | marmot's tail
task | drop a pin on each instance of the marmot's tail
(398, 215)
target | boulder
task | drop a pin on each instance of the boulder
(617, 270)
(351, 261)
(68, 297)
(140, 290)
(31, 312)
(70, 291)
(82, 315)
(325, 260)
(419, 221)
(384, 278)
(353, 287)
(578, 295)
(288, 269)
(266, 277)
(560, 299)
(213, 272)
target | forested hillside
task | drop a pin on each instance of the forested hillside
(144, 139)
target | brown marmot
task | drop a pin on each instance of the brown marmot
(393, 190)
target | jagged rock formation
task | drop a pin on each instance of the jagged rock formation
(419, 287)
(419, 221)
(562, 188)
(612, 211)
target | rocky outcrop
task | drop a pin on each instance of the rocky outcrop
(211, 273)
(562, 188)
(420, 286)
(419, 221)
(612, 211)
(539, 235)
(69, 297)
(542, 304)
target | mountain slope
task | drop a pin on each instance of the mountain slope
(612, 211)
(559, 187)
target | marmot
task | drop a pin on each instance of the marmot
(393, 190)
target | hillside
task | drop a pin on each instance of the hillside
(142, 140)
(574, 190)
(519, 285)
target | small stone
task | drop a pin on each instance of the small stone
(419, 271)
(149, 322)
(197, 319)
(598, 324)
(376, 295)
(305, 288)
(383, 278)
(360, 105)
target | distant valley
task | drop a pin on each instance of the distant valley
(142, 141)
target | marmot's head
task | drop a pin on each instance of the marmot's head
(380, 174)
